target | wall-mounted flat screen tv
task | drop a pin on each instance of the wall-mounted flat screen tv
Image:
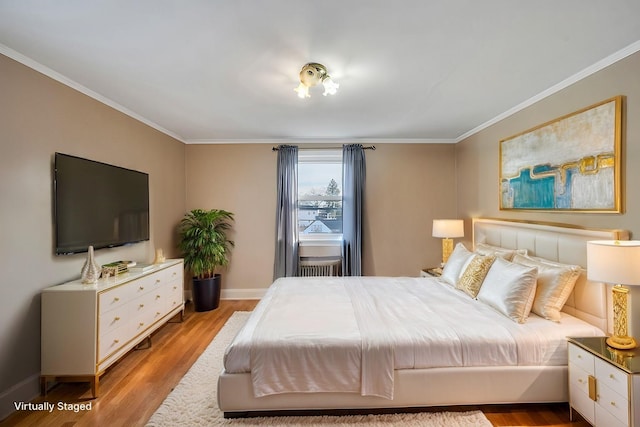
(99, 205)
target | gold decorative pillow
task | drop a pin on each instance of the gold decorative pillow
(473, 276)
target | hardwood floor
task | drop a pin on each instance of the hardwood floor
(132, 390)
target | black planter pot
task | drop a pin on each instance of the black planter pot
(206, 293)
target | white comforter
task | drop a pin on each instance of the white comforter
(349, 334)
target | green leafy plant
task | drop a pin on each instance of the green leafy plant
(203, 240)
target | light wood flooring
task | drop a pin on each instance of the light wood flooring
(132, 389)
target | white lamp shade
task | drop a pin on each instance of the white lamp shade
(613, 261)
(448, 228)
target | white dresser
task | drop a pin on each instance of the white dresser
(86, 328)
(604, 383)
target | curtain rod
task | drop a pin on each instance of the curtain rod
(370, 147)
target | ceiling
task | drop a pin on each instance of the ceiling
(409, 70)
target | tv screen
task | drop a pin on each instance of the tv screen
(99, 205)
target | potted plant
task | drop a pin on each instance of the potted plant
(205, 247)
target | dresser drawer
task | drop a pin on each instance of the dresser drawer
(114, 298)
(112, 341)
(606, 419)
(578, 379)
(582, 358)
(144, 285)
(582, 403)
(174, 295)
(612, 377)
(114, 319)
(168, 275)
(613, 403)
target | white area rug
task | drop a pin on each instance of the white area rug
(193, 402)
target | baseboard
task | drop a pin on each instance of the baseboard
(25, 391)
(242, 293)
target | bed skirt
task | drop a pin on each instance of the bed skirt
(414, 388)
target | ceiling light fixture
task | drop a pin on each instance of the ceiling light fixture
(312, 74)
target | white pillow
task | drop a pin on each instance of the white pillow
(457, 261)
(510, 289)
(554, 285)
(485, 249)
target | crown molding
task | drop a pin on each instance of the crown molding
(611, 59)
(322, 141)
(600, 65)
(25, 60)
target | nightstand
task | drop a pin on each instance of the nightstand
(604, 383)
(431, 272)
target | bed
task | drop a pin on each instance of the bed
(326, 344)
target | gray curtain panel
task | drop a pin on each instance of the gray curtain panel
(353, 178)
(286, 258)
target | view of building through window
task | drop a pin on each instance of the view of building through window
(320, 193)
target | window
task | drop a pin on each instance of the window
(319, 194)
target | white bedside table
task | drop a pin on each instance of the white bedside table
(604, 383)
(431, 272)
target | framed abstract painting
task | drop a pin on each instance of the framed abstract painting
(568, 164)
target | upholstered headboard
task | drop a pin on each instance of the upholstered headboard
(562, 243)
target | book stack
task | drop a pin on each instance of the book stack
(141, 268)
(118, 267)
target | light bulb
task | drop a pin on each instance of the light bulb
(330, 87)
(302, 90)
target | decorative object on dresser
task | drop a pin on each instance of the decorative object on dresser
(87, 328)
(205, 246)
(447, 229)
(604, 383)
(160, 258)
(90, 270)
(618, 263)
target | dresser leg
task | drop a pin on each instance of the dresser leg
(95, 386)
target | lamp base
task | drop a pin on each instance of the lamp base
(621, 343)
(447, 248)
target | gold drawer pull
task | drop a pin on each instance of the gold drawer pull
(158, 313)
(116, 341)
(612, 376)
(592, 389)
(116, 319)
(141, 305)
(175, 287)
(116, 299)
(580, 380)
(579, 357)
(157, 296)
(141, 323)
(142, 288)
(175, 274)
(157, 280)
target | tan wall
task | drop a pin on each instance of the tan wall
(477, 156)
(407, 186)
(38, 117)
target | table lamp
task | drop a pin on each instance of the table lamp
(447, 229)
(618, 263)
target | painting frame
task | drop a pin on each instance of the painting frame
(569, 164)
